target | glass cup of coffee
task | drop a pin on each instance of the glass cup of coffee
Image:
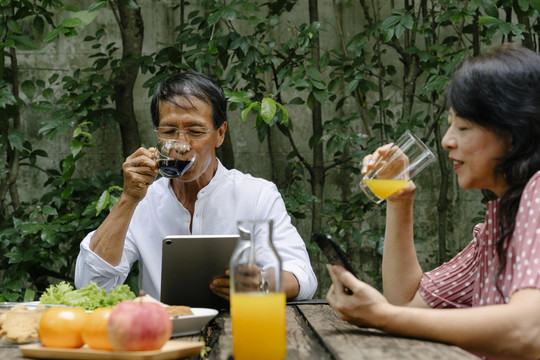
(405, 158)
(173, 158)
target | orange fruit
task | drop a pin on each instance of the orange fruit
(94, 332)
(61, 327)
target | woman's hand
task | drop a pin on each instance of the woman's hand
(371, 162)
(140, 171)
(364, 307)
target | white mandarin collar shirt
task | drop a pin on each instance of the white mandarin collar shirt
(229, 197)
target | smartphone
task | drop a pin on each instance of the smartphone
(332, 251)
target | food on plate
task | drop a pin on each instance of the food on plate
(174, 310)
(94, 333)
(89, 297)
(178, 310)
(148, 298)
(20, 324)
(139, 325)
(61, 327)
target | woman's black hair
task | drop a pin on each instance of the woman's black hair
(500, 91)
(184, 87)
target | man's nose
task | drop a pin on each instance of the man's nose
(181, 147)
(182, 135)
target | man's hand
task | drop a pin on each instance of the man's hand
(220, 285)
(140, 170)
(248, 278)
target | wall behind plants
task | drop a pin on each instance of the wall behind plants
(354, 61)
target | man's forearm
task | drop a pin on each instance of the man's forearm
(108, 240)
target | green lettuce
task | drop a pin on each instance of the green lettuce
(89, 297)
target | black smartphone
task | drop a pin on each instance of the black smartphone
(332, 251)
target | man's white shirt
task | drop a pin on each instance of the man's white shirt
(230, 196)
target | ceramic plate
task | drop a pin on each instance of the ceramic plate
(192, 324)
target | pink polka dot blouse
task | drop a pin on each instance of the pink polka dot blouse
(468, 279)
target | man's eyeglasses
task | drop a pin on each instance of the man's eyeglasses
(171, 132)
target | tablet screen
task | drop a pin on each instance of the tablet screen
(189, 264)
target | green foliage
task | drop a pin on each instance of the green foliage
(39, 240)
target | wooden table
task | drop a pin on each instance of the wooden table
(315, 332)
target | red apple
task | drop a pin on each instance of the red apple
(138, 326)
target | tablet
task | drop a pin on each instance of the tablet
(189, 264)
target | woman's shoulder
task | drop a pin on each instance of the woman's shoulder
(533, 183)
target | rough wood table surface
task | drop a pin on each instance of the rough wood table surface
(315, 332)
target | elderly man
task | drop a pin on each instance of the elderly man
(188, 110)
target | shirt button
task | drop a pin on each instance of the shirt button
(188, 220)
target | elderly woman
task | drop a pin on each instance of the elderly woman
(486, 299)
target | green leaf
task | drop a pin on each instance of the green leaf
(38, 24)
(314, 73)
(48, 93)
(53, 78)
(352, 85)
(407, 21)
(131, 4)
(320, 95)
(390, 22)
(67, 191)
(80, 18)
(103, 201)
(28, 88)
(40, 152)
(246, 111)
(435, 83)
(318, 84)
(241, 97)
(268, 109)
(97, 5)
(13, 26)
(49, 210)
(16, 138)
(486, 20)
(42, 106)
(29, 295)
(490, 8)
(76, 147)
(52, 35)
(285, 113)
(24, 42)
(297, 101)
(334, 84)
(523, 4)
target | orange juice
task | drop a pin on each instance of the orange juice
(258, 326)
(383, 188)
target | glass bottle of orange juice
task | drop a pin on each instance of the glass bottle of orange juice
(257, 298)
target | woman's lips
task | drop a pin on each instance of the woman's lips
(456, 164)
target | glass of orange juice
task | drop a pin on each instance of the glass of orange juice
(405, 158)
(258, 301)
